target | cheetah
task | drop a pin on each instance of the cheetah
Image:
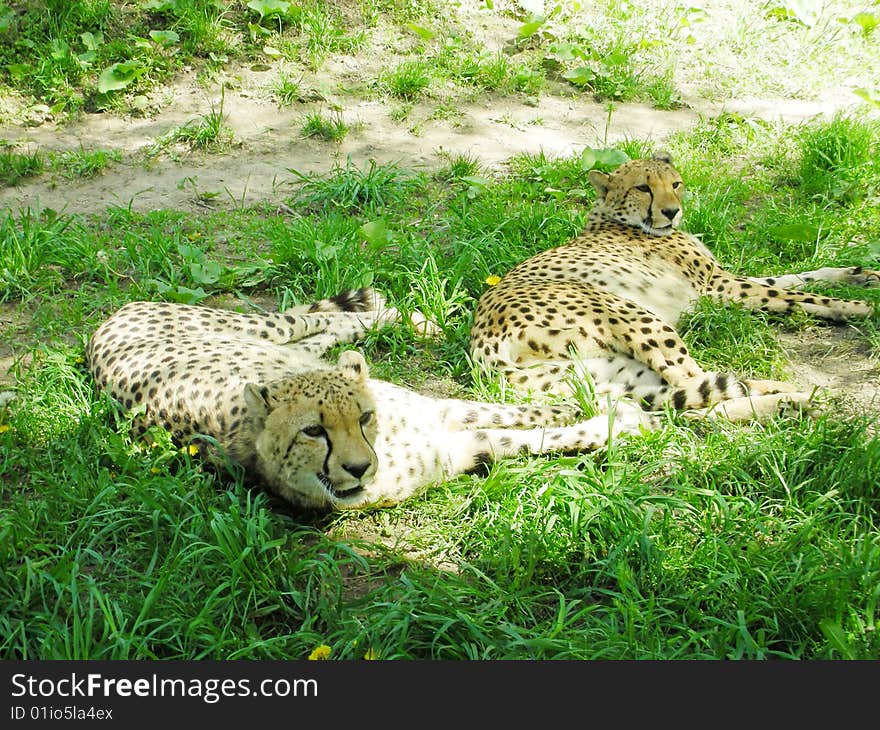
(324, 436)
(604, 306)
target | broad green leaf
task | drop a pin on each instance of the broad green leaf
(530, 27)
(91, 41)
(325, 251)
(6, 18)
(805, 12)
(177, 293)
(164, 37)
(605, 159)
(257, 30)
(268, 8)
(422, 33)
(569, 52)
(118, 76)
(693, 15)
(271, 51)
(376, 233)
(476, 185)
(206, 273)
(871, 96)
(190, 253)
(801, 232)
(160, 6)
(248, 274)
(866, 21)
(581, 76)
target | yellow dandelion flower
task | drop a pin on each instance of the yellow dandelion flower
(80, 360)
(192, 450)
(4, 427)
(492, 279)
(371, 655)
(320, 652)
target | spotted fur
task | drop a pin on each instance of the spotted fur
(318, 434)
(606, 304)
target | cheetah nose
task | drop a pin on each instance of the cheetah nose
(670, 212)
(357, 470)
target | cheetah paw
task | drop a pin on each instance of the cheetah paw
(423, 326)
(770, 387)
(867, 278)
(630, 418)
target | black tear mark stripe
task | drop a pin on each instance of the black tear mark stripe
(329, 443)
(367, 442)
(289, 447)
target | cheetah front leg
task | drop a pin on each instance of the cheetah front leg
(467, 415)
(726, 287)
(756, 408)
(467, 450)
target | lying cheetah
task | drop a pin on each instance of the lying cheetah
(607, 303)
(319, 435)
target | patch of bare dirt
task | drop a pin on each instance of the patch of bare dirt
(838, 359)
(268, 143)
(14, 341)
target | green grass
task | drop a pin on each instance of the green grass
(701, 540)
(209, 132)
(18, 166)
(286, 89)
(408, 81)
(331, 128)
(84, 163)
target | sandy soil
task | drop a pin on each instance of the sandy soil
(267, 141)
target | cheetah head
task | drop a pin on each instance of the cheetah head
(644, 194)
(314, 434)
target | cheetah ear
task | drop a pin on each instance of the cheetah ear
(600, 181)
(353, 365)
(662, 156)
(256, 397)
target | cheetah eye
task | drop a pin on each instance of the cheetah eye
(314, 431)
(676, 185)
(643, 188)
(366, 417)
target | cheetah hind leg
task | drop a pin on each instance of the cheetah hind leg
(368, 300)
(365, 299)
(854, 275)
